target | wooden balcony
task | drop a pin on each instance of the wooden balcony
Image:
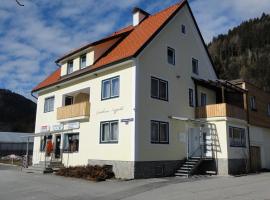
(220, 110)
(77, 111)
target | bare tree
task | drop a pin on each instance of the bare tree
(19, 3)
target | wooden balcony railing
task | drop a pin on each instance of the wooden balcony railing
(74, 111)
(220, 110)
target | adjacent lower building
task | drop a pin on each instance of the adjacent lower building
(147, 101)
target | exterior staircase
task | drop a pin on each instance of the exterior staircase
(189, 167)
(44, 168)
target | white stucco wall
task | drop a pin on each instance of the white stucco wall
(89, 132)
(153, 62)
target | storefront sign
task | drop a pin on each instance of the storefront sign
(73, 125)
(45, 129)
(58, 127)
(127, 120)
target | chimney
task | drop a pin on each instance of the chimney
(139, 15)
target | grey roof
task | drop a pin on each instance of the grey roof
(15, 137)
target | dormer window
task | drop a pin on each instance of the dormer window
(83, 61)
(70, 67)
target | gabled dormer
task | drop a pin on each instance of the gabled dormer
(86, 56)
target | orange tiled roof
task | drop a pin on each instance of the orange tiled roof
(129, 46)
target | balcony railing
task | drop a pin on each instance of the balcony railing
(78, 110)
(220, 110)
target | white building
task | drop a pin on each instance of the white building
(143, 100)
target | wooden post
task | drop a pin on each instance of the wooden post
(223, 94)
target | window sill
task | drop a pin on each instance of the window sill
(103, 99)
(115, 142)
(238, 146)
(159, 98)
(159, 142)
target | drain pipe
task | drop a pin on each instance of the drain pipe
(32, 94)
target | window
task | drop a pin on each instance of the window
(191, 97)
(159, 89)
(237, 137)
(203, 99)
(110, 88)
(71, 142)
(109, 132)
(69, 67)
(49, 104)
(43, 142)
(83, 61)
(195, 64)
(183, 29)
(268, 109)
(68, 100)
(159, 132)
(253, 103)
(171, 55)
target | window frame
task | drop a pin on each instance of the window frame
(191, 91)
(110, 80)
(205, 95)
(243, 143)
(158, 88)
(197, 66)
(183, 29)
(253, 105)
(168, 132)
(100, 135)
(68, 150)
(47, 98)
(68, 67)
(268, 109)
(173, 50)
(83, 55)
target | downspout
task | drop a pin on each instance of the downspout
(248, 131)
(33, 95)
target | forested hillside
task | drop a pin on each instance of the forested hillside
(244, 52)
(17, 113)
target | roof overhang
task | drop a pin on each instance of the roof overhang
(212, 84)
(81, 74)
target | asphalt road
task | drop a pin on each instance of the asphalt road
(15, 184)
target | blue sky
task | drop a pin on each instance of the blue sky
(32, 37)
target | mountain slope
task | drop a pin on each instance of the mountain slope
(244, 52)
(17, 113)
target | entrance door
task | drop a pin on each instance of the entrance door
(57, 151)
(194, 142)
(255, 157)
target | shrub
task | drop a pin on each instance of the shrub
(93, 173)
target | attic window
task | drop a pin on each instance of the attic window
(171, 56)
(70, 67)
(183, 29)
(83, 61)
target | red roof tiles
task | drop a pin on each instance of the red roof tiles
(133, 40)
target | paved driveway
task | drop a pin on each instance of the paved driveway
(15, 184)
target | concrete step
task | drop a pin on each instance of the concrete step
(188, 165)
(186, 168)
(181, 174)
(191, 162)
(182, 171)
(37, 170)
